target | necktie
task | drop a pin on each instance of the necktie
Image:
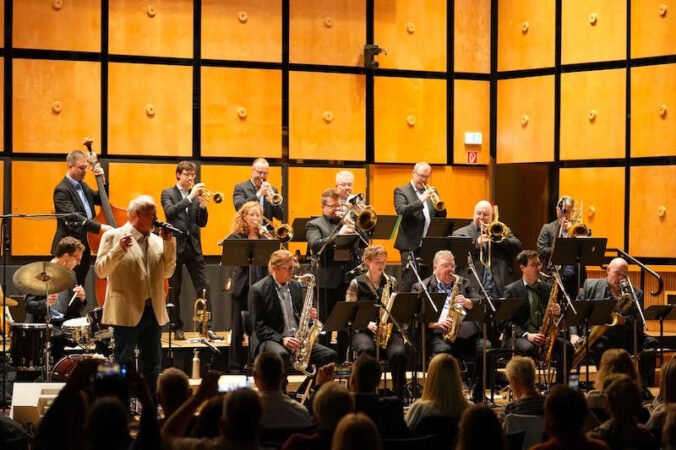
(85, 203)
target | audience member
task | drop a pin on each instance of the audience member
(173, 389)
(106, 425)
(669, 428)
(206, 425)
(667, 396)
(356, 431)
(480, 429)
(330, 404)
(527, 400)
(623, 401)
(613, 361)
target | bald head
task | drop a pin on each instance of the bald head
(617, 270)
(483, 212)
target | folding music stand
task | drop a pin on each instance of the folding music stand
(457, 246)
(298, 225)
(350, 316)
(441, 226)
(405, 311)
(429, 315)
(248, 252)
(386, 227)
(661, 313)
(579, 252)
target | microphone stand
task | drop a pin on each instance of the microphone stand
(412, 266)
(634, 298)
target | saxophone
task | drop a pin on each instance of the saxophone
(385, 328)
(455, 313)
(549, 329)
(307, 333)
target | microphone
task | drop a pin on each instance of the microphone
(360, 268)
(75, 220)
(167, 226)
(211, 346)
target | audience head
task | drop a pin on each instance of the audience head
(356, 432)
(565, 412)
(521, 374)
(106, 425)
(365, 375)
(616, 360)
(443, 386)
(669, 428)
(246, 218)
(268, 371)
(242, 413)
(173, 389)
(480, 428)
(622, 396)
(331, 403)
(209, 418)
(668, 381)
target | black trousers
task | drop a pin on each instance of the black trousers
(363, 341)
(320, 355)
(236, 358)
(194, 262)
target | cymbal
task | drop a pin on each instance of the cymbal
(43, 277)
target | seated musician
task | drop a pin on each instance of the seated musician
(621, 335)
(468, 344)
(277, 302)
(68, 254)
(369, 286)
(247, 224)
(523, 332)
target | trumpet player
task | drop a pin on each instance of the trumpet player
(257, 189)
(502, 250)
(413, 202)
(186, 209)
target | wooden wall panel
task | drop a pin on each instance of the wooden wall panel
(29, 236)
(327, 116)
(56, 104)
(2, 22)
(75, 25)
(653, 191)
(330, 33)
(149, 110)
(593, 114)
(241, 112)
(653, 111)
(471, 113)
(593, 30)
(653, 27)
(151, 28)
(220, 178)
(525, 128)
(525, 34)
(413, 32)
(2, 102)
(129, 180)
(472, 36)
(602, 191)
(410, 120)
(252, 29)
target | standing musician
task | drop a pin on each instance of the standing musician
(412, 202)
(622, 334)
(500, 272)
(257, 189)
(344, 185)
(553, 230)
(523, 331)
(73, 195)
(136, 262)
(469, 343)
(277, 302)
(186, 209)
(369, 287)
(245, 225)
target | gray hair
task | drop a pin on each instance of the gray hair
(344, 174)
(140, 203)
(74, 155)
(260, 160)
(422, 165)
(442, 254)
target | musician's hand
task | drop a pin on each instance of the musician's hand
(426, 195)
(291, 343)
(464, 301)
(535, 338)
(98, 171)
(80, 292)
(346, 229)
(575, 340)
(51, 299)
(196, 191)
(313, 313)
(202, 202)
(444, 325)
(106, 227)
(565, 224)
(556, 309)
(166, 234)
(209, 385)
(325, 374)
(263, 190)
(372, 327)
(126, 241)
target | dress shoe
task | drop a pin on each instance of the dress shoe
(213, 336)
(179, 335)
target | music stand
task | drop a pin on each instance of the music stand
(440, 227)
(345, 246)
(386, 227)
(248, 252)
(429, 315)
(350, 316)
(456, 245)
(661, 313)
(297, 225)
(579, 252)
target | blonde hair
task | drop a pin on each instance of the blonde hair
(356, 431)
(522, 370)
(278, 256)
(616, 360)
(239, 225)
(372, 251)
(443, 386)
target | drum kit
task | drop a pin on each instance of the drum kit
(30, 342)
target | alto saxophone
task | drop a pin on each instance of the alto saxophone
(385, 328)
(455, 313)
(307, 333)
(549, 329)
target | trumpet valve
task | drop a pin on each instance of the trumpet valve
(218, 197)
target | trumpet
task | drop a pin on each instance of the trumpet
(439, 204)
(365, 216)
(495, 232)
(284, 232)
(207, 195)
(201, 316)
(272, 196)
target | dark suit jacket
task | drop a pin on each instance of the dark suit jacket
(502, 254)
(246, 192)
(386, 412)
(67, 200)
(267, 309)
(408, 205)
(331, 272)
(522, 316)
(546, 238)
(174, 206)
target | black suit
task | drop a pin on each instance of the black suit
(546, 238)
(386, 412)
(410, 208)
(67, 200)
(189, 217)
(269, 321)
(246, 192)
(502, 254)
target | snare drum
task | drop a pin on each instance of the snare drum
(76, 329)
(67, 364)
(98, 330)
(29, 341)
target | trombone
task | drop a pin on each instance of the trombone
(273, 197)
(283, 233)
(439, 204)
(365, 216)
(495, 232)
(206, 194)
(577, 228)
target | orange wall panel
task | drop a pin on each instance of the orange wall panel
(653, 190)
(151, 28)
(2, 101)
(75, 25)
(601, 190)
(252, 29)
(471, 114)
(330, 33)
(472, 36)
(413, 32)
(525, 128)
(241, 112)
(525, 34)
(30, 236)
(56, 104)
(593, 114)
(2, 22)
(593, 30)
(327, 116)
(653, 27)
(653, 111)
(149, 110)
(410, 120)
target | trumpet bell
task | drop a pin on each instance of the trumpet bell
(284, 233)
(276, 199)
(440, 205)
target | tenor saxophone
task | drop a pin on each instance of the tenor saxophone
(307, 332)
(549, 329)
(385, 327)
(455, 313)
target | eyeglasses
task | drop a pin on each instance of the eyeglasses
(287, 268)
(333, 206)
(260, 172)
(188, 174)
(422, 176)
(538, 265)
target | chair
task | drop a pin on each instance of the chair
(534, 427)
(247, 325)
(443, 428)
(515, 440)
(275, 437)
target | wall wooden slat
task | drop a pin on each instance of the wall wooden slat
(472, 36)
